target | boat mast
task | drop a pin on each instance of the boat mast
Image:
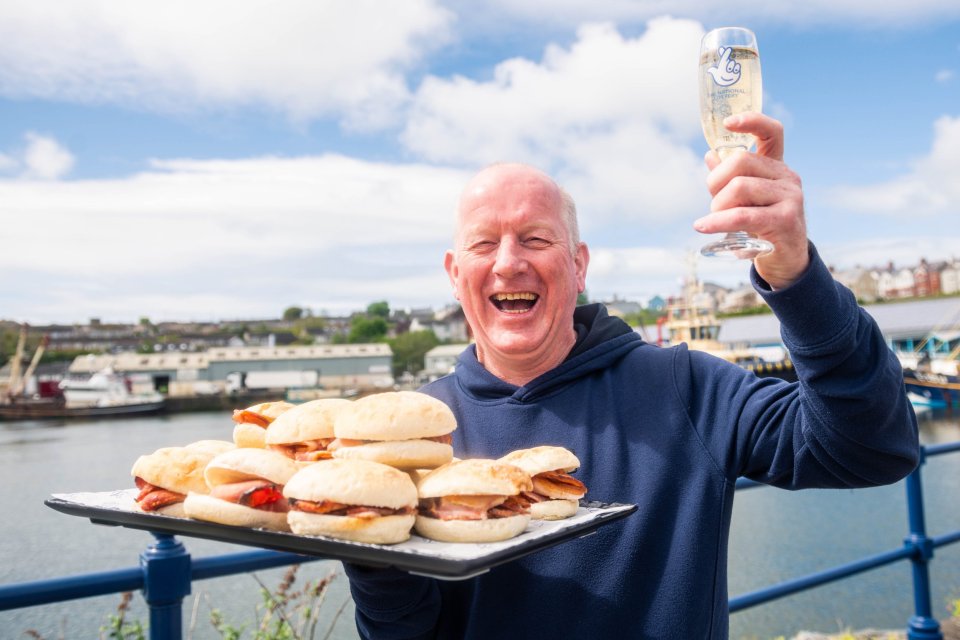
(16, 363)
(18, 389)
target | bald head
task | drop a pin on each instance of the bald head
(501, 174)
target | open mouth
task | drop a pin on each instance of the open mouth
(520, 302)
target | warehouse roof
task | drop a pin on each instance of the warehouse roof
(202, 359)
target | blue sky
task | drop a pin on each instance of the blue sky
(218, 160)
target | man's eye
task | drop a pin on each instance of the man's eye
(537, 242)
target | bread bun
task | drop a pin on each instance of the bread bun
(249, 436)
(474, 477)
(252, 422)
(204, 507)
(489, 530)
(268, 411)
(401, 454)
(553, 509)
(249, 464)
(174, 510)
(239, 465)
(545, 458)
(176, 469)
(353, 482)
(211, 447)
(311, 420)
(382, 530)
(395, 415)
(563, 498)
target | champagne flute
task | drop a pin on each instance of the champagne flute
(730, 83)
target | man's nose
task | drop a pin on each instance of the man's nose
(510, 259)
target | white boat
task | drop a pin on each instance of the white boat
(107, 390)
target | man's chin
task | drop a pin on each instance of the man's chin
(513, 343)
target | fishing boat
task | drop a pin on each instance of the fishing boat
(690, 318)
(932, 381)
(103, 394)
(931, 368)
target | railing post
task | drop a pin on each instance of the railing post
(166, 580)
(922, 625)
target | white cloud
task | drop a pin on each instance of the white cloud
(301, 58)
(189, 213)
(611, 117)
(944, 75)
(263, 233)
(8, 163)
(634, 273)
(929, 189)
(45, 158)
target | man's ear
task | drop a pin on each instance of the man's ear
(581, 259)
(450, 264)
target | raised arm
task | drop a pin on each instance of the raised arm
(758, 193)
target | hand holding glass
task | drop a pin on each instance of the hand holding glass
(730, 83)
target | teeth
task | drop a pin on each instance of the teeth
(515, 296)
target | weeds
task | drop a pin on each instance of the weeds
(117, 627)
(283, 614)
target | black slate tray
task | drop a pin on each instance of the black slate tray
(444, 560)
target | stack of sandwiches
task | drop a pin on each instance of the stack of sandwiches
(372, 470)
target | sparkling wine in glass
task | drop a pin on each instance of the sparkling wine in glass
(730, 83)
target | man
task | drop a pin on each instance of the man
(667, 429)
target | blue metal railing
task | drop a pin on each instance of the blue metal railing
(166, 571)
(917, 547)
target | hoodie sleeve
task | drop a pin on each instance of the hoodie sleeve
(392, 604)
(847, 422)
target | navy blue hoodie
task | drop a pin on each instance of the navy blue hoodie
(669, 430)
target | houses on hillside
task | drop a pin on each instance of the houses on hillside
(896, 283)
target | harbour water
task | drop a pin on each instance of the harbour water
(776, 536)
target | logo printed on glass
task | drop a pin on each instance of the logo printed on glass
(727, 72)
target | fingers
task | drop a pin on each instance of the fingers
(742, 164)
(759, 194)
(744, 183)
(767, 131)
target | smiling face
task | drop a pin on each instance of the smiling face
(516, 271)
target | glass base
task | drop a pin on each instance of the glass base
(738, 245)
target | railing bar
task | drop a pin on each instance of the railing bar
(29, 594)
(244, 562)
(938, 449)
(948, 538)
(816, 579)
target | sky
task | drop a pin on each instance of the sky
(228, 159)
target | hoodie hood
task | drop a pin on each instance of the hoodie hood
(601, 341)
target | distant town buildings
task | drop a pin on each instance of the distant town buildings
(869, 285)
(926, 279)
(896, 283)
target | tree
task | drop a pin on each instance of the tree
(292, 313)
(378, 309)
(410, 348)
(644, 317)
(582, 298)
(364, 329)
